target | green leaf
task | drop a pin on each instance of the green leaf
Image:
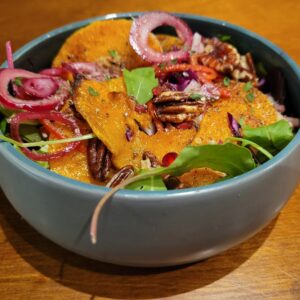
(250, 97)
(195, 96)
(273, 137)
(228, 158)
(18, 81)
(152, 183)
(92, 92)
(226, 81)
(113, 53)
(30, 133)
(224, 37)
(3, 126)
(261, 69)
(248, 86)
(139, 83)
(6, 112)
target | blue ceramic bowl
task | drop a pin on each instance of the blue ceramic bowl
(154, 228)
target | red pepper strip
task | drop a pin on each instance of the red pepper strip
(54, 116)
(53, 130)
(206, 72)
(224, 93)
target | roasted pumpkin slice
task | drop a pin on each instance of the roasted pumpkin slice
(254, 111)
(110, 114)
(100, 39)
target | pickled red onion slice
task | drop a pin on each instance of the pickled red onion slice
(45, 104)
(145, 24)
(17, 119)
(9, 55)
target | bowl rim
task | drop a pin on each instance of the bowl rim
(34, 169)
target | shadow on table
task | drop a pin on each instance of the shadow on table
(100, 279)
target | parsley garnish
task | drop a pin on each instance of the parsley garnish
(226, 81)
(224, 37)
(174, 61)
(250, 97)
(195, 96)
(248, 86)
(92, 92)
(18, 81)
(113, 53)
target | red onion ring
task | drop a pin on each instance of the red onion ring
(11, 102)
(36, 88)
(52, 72)
(142, 27)
(9, 55)
(53, 116)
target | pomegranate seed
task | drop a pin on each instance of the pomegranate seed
(169, 158)
(185, 125)
(140, 108)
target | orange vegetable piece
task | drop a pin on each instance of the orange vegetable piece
(110, 114)
(214, 125)
(94, 42)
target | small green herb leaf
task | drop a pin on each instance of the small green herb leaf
(248, 86)
(113, 53)
(174, 61)
(224, 37)
(261, 70)
(92, 92)
(18, 81)
(250, 97)
(195, 96)
(139, 83)
(226, 81)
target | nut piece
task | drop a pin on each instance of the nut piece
(245, 71)
(121, 175)
(220, 56)
(154, 162)
(99, 159)
(177, 107)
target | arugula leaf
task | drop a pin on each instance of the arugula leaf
(273, 137)
(139, 83)
(3, 126)
(228, 158)
(152, 183)
(6, 112)
(30, 133)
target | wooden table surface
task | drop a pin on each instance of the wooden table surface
(267, 266)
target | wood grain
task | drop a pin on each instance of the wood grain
(267, 266)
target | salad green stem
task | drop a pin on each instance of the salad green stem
(254, 145)
(44, 143)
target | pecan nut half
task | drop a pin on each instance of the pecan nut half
(99, 159)
(121, 175)
(178, 107)
(219, 55)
